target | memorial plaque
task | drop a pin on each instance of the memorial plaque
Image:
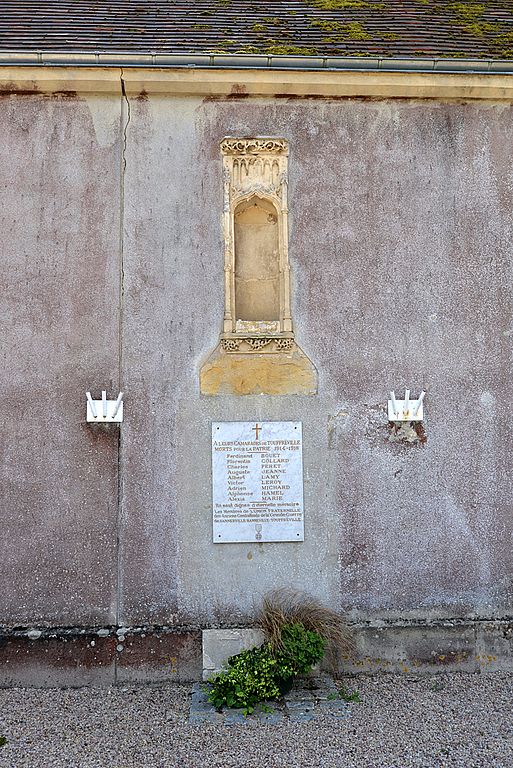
(257, 478)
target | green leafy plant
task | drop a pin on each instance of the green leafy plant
(248, 679)
(259, 674)
(347, 696)
(3, 741)
(301, 648)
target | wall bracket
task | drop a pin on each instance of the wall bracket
(406, 410)
(104, 411)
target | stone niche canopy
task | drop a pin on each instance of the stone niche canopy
(257, 352)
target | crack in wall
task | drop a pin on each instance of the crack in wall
(128, 118)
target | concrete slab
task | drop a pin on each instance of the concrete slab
(220, 644)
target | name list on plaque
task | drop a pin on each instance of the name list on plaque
(257, 477)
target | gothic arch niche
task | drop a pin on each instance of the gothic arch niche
(257, 352)
(256, 256)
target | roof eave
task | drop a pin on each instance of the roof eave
(253, 61)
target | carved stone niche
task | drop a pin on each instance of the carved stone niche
(257, 352)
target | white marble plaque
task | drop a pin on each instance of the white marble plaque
(257, 477)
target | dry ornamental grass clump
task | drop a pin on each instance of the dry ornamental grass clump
(287, 606)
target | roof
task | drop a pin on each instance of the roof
(356, 28)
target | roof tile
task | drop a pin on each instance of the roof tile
(390, 28)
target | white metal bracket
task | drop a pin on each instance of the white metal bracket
(406, 410)
(104, 411)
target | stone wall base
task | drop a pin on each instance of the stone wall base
(107, 656)
(459, 645)
(62, 657)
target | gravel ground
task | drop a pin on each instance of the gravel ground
(448, 720)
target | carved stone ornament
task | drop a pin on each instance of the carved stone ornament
(257, 344)
(231, 146)
(257, 353)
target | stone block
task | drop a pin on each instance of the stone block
(334, 706)
(271, 715)
(158, 656)
(422, 647)
(284, 373)
(48, 662)
(199, 718)
(298, 716)
(494, 646)
(199, 695)
(220, 644)
(300, 705)
(234, 717)
(301, 695)
(326, 694)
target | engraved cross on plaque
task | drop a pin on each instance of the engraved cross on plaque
(256, 430)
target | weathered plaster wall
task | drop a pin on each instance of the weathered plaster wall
(400, 251)
(59, 289)
(400, 232)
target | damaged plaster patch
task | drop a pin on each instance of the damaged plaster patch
(338, 427)
(376, 425)
(487, 399)
(379, 429)
(105, 120)
(407, 432)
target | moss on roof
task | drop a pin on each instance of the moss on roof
(394, 28)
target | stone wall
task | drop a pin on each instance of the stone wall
(112, 276)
